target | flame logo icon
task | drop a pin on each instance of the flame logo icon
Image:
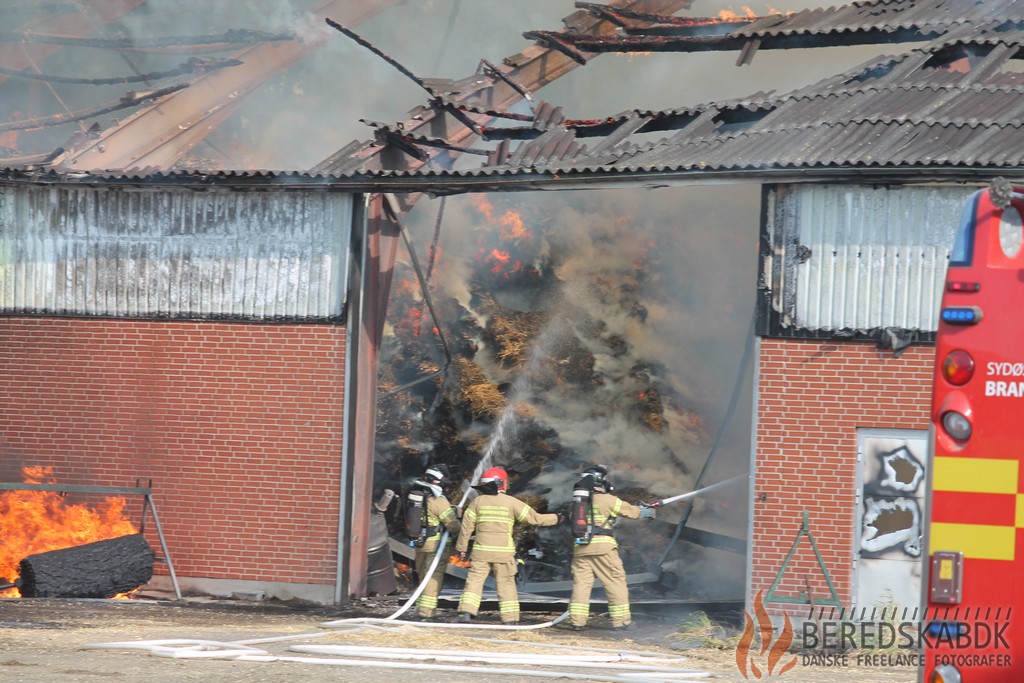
(745, 660)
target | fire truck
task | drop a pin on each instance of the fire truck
(973, 595)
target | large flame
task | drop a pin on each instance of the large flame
(510, 223)
(510, 252)
(37, 521)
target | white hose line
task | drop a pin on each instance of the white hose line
(423, 582)
(366, 651)
(358, 622)
(633, 653)
(169, 644)
(227, 653)
(503, 658)
(210, 649)
(485, 671)
(278, 639)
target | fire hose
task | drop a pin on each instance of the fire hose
(618, 666)
(438, 554)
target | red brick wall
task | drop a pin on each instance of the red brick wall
(239, 427)
(812, 398)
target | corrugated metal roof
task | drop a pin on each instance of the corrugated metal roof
(924, 16)
(955, 104)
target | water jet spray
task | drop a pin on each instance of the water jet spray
(691, 494)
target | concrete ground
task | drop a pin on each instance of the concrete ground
(47, 640)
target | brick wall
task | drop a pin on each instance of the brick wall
(812, 398)
(239, 427)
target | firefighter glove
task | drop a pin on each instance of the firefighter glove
(646, 512)
(562, 518)
(463, 556)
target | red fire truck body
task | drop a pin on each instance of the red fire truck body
(974, 594)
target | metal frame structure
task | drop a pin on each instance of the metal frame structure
(833, 600)
(147, 504)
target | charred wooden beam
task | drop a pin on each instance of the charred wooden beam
(130, 99)
(554, 40)
(529, 70)
(492, 70)
(442, 143)
(380, 53)
(720, 36)
(625, 18)
(509, 115)
(570, 42)
(438, 101)
(604, 12)
(694, 27)
(94, 570)
(231, 38)
(161, 134)
(195, 65)
(400, 142)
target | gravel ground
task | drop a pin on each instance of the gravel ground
(42, 641)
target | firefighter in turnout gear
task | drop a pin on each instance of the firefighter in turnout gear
(427, 510)
(596, 553)
(489, 519)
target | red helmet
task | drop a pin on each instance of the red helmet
(497, 474)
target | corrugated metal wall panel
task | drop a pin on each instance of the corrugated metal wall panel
(174, 253)
(859, 258)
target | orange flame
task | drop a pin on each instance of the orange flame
(510, 223)
(729, 15)
(778, 648)
(38, 521)
(454, 560)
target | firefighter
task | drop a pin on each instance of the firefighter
(427, 510)
(489, 519)
(595, 551)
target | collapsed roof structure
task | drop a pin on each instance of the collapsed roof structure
(946, 108)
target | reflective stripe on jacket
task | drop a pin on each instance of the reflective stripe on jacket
(606, 508)
(491, 519)
(440, 511)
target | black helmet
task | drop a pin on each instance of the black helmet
(598, 474)
(435, 474)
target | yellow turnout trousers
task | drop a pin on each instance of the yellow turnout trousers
(608, 568)
(504, 571)
(427, 602)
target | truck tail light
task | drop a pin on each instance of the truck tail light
(958, 367)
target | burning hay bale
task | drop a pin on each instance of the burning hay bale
(481, 396)
(512, 335)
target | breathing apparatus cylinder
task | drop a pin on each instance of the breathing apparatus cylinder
(415, 512)
(581, 511)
